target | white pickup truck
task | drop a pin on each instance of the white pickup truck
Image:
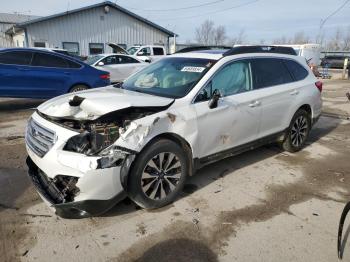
(147, 53)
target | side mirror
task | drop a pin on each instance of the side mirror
(100, 63)
(213, 102)
(140, 53)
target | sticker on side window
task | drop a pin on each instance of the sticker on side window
(193, 69)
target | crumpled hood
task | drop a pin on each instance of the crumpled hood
(98, 102)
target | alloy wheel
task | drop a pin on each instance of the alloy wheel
(161, 175)
(299, 131)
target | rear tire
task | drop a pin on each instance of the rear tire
(158, 174)
(78, 88)
(297, 132)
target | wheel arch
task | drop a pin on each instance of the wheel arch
(178, 140)
(77, 84)
(126, 169)
(307, 108)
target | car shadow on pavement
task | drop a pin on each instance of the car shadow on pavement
(344, 242)
(217, 170)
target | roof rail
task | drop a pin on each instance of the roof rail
(202, 47)
(260, 49)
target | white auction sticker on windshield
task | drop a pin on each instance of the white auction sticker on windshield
(193, 69)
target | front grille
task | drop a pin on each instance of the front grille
(38, 138)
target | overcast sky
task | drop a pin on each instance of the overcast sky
(260, 19)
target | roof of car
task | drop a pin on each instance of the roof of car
(43, 50)
(218, 54)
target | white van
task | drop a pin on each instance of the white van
(311, 52)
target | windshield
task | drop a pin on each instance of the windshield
(132, 50)
(170, 77)
(93, 59)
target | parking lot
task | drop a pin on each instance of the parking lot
(263, 205)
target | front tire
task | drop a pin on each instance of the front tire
(158, 174)
(297, 132)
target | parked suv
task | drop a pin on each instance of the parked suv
(89, 150)
(36, 73)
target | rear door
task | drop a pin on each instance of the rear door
(50, 75)
(277, 92)
(14, 66)
(121, 67)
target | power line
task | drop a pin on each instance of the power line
(176, 9)
(214, 12)
(333, 13)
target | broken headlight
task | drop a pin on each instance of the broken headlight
(111, 156)
(98, 138)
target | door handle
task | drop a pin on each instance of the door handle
(254, 104)
(294, 92)
(67, 73)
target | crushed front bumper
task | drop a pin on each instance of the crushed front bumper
(52, 195)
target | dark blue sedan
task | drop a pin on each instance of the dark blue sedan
(36, 73)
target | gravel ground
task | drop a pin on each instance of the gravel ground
(264, 205)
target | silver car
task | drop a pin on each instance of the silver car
(119, 66)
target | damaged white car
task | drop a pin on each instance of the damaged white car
(90, 149)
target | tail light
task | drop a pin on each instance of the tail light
(319, 85)
(105, 76)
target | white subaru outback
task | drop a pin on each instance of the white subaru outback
(90, 149)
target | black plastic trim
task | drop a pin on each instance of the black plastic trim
(260, 49)
(200, 162)
(87, 208)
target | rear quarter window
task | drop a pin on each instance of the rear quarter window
(72, 64)
(297, 70)
(270, 72)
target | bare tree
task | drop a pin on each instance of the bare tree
(205, 32)
(239, 39)
(320, 38)
(280, 41)
(335, 43)
(346, 40)
(300, 38)
(219, 35)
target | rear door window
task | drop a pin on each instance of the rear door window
(48, 60)
(158, 51)
(127, 60)
(111, 60)
(297, 70)
(269, 72)
(16, 58)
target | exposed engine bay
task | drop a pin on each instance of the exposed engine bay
(97, 135)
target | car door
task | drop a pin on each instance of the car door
(112, 65)
(131, 65)
(236, 118)
(277, 90)
(14, 66)
(145, 54)
(50, 75)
